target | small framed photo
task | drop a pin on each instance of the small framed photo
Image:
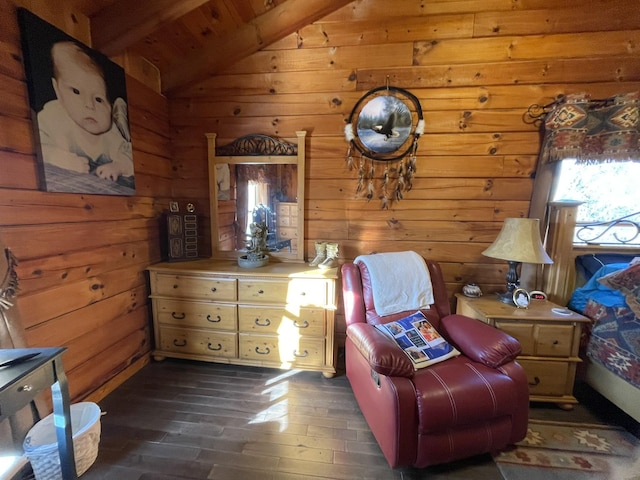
(173, 207)
(521, 298)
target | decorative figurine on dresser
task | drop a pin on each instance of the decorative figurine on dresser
(280, 314)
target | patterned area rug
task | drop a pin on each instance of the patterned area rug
(568, 451)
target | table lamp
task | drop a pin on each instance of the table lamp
(518, 242)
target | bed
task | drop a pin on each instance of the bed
(601, 282)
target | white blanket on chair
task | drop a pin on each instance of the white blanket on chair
(400, 281)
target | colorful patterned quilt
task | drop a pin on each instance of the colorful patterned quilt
(615, 340)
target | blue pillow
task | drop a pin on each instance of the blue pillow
(594, 290)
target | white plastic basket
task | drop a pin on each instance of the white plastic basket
(41, 445)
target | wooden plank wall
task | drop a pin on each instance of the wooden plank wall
(81, 258)
(476, 66)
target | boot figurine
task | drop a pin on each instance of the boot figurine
(332, 256)
(321, 254)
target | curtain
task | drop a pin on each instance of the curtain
(15, 428)
(592, 130)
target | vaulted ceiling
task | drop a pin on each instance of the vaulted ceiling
(190, 40)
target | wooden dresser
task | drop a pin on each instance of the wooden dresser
(549, 340)
(281, 315)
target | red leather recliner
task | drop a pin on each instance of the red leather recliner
(474, 403)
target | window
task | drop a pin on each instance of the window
(609, 191)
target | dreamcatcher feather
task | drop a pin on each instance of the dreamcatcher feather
(391, 116)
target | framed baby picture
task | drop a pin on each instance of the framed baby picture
(78, 101)
(521, 298)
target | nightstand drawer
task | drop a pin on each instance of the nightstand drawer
(554, 340)
(546, 378)
(198, 342)
(523, 332)
(540, 339)
(184, 286)
(196, 314)
(308, 322)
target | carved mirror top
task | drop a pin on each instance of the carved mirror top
(257, 178)
(257, 145)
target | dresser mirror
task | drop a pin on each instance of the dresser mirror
(257, 178)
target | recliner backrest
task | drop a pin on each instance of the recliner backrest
(440, 308)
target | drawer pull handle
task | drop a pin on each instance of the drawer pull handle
(536, 381)
(260, 292)
(214, 320)
(302, 294)
(178, 316)
(175, 285)
(25, 388)
(214, 289)
(266, 323)
(179, 344)
(301, 325)
(555, 342)
(300, 355)
(219, 347)
(266, 351)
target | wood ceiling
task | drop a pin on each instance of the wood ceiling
(190, 40)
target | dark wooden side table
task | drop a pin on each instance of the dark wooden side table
(21, 382)
(550, 338)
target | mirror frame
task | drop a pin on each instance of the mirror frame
(240, 156)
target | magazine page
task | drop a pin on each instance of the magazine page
(419, 340)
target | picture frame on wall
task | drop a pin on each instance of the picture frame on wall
(79, 106)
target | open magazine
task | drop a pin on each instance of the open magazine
(419, 340)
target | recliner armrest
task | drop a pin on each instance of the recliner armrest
(479, 341)
(382, 353)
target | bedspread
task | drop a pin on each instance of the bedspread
(614, 341)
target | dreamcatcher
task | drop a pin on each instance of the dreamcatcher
(388, 123)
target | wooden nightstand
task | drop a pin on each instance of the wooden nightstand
(550, 342)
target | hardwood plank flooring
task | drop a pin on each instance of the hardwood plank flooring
(178, 420)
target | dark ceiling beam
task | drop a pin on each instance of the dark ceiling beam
(271, 26)
(125, 22)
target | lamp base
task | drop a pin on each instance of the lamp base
(506, 297)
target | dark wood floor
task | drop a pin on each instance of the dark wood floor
(187, 420)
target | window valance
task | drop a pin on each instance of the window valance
(593, 130)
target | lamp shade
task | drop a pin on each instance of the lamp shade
(519, 241)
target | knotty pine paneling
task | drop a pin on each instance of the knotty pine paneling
(410, 209)
(81, 258)
(96, 316)
(579, 71)
(476, 66)
(610, 16)
(354, 33)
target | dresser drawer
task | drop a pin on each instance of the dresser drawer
(287, 232)
(296, 291)
(198, 342)
(308, 322)
(185, 286)
(187, 313)
(546, 378)
(269, 348)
